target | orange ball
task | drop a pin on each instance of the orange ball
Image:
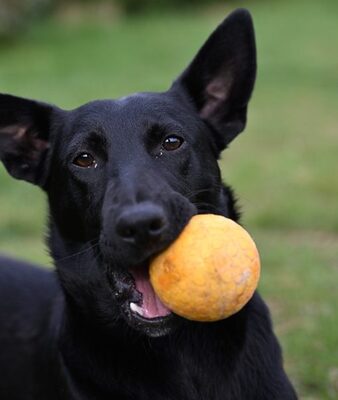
(210, 272)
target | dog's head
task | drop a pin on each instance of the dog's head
(124, 176)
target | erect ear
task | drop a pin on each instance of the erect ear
(24, 137)
(221, 77)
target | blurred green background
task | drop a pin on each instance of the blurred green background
(284, 167)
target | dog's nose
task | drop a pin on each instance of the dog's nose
(140, 223)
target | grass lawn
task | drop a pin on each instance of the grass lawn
(284, 167)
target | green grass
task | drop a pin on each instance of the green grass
(284, 167)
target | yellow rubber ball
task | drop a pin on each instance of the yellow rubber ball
(209, 272)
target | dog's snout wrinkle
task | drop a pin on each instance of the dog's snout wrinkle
(141, 222)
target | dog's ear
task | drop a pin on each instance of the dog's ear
(221, 77)
(24, 137)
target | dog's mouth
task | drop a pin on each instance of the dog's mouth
(149, 307)
(140, 305)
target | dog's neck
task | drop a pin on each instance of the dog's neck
(121, 355)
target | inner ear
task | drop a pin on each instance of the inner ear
(21, 151)
(21, 141)
(216, 94)
(24, 137)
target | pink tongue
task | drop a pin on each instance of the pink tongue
(152, 306)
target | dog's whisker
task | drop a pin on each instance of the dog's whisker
(190, 194)
(206, 207)
(87, 249)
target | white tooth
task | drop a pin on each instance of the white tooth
(134, 307)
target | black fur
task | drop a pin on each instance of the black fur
(150, 163)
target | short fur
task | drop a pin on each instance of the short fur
(71, 334)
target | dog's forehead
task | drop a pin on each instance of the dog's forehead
(128, 121)
(137, 111)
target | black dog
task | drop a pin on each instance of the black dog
(123, 177)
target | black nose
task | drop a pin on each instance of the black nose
(140, 223)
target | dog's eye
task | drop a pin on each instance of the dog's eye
(172, 142)
(85, 160)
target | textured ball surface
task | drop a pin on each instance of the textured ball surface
(210, 272)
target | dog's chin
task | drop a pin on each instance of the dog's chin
(139, 305)
(154, 327)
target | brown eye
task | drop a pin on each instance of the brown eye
(85, 160)
(172, 143)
